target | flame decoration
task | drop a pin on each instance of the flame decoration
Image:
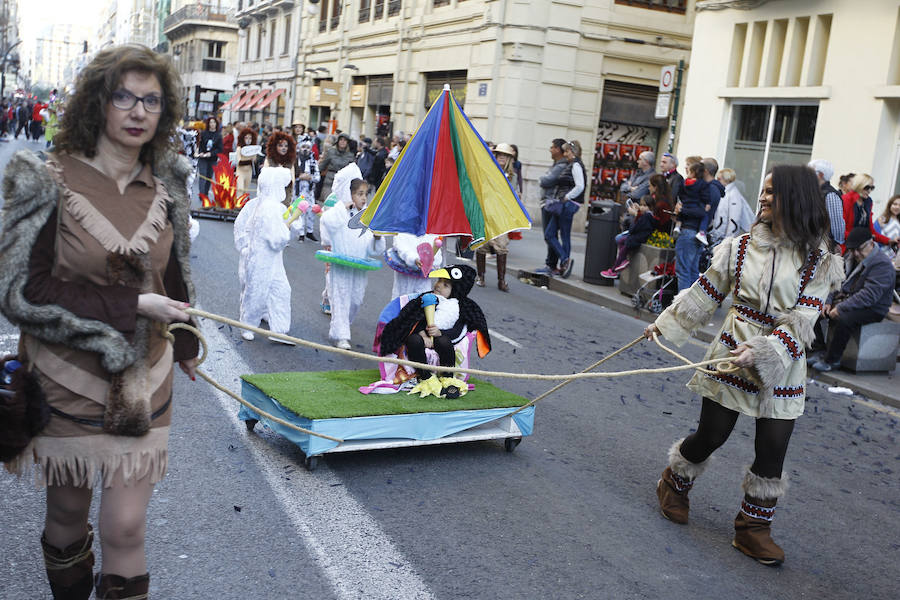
(224, 188)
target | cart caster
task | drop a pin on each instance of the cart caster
(510, 443)
(251, 424)
(311, 462)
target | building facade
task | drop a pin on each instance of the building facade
(10, 45)
(57, 48)
(784, 82)
(203, 42)
(267, 55)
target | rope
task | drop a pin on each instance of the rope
(482, 373)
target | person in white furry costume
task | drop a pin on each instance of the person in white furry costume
(260, 236)
(346, 286)
(406, 250)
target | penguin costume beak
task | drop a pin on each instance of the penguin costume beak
(440, 274)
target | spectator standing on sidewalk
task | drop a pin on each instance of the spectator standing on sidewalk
(858, 206)
(865, 297)
(377, 172)
(638, 185)
(549, 182)
(833, 203)
(691, 212)
(569, 198)
(734, 216)
(888, 224)
(499, 245)
(668, 165)
(337, 157)
(844, 183)
(779, 275)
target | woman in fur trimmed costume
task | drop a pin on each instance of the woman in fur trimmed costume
(94, 263)
(779, 275)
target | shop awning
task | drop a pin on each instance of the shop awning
(250, 99)
(238, 96)
(262, 104)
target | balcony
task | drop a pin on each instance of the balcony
(195, 15)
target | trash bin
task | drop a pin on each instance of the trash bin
(600, 249)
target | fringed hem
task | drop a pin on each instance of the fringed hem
(106, 234)
(104, 459)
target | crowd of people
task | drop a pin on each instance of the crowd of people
(31, 116)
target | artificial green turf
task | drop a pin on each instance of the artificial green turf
(335, 394)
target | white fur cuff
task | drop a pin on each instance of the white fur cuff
(683, 466)
(764, 488)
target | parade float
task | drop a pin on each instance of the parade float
(445, 182)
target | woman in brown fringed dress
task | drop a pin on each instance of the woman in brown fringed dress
(94, 264)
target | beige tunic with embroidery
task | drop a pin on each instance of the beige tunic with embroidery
(777, 296)
(95, 221)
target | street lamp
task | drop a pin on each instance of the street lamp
(3, 63)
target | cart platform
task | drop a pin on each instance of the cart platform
(329, 402)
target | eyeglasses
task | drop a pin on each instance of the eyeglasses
(125, 100)
(869, 188)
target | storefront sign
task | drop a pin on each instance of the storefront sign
(662, 105)
(324, 94)
(357, 96)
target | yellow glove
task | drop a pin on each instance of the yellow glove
(461, 385)
(429, 387)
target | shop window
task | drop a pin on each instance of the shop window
(615, 155)
(394, 7)
(768, 134)
(434, 85)
(672, 6)
(365, 10)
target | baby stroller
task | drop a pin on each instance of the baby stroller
(658, 289)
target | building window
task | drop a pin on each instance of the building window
(379, 9)
(672, 6)
(213, 60)
(364, 10)
(437, 3)
(271, 38)
(394, 7)
(336, 6)
(323, 17)
(768, 134)
(260, 31)
(287, 34)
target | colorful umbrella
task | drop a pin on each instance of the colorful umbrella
(446, 182)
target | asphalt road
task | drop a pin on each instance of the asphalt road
(570, 514)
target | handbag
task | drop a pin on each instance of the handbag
(24, 411)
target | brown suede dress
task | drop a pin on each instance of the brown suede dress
(69, 267)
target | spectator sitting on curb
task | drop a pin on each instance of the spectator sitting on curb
(865, 296)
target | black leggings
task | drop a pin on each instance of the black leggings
(716, 423)
(415, 351)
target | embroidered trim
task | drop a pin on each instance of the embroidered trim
(809, 270)
(99, 227)
(681, 484)
(711, 290)
(764, 513)
(810, 302)
(793, 348)
(735, 382)
(754, 315)
(788, 392)
(728, 340)
(739, 262)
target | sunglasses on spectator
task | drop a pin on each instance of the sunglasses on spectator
(869, 188)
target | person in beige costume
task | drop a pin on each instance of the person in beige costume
(779, 275)
(94, 264)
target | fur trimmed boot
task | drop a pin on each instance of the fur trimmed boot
(116, 587)
(480, 266)
(675, 483)
(752, 525)
(70, 570)
(501, 273)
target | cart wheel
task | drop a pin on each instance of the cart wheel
(251, 423)
(311, 462)
(510, 443)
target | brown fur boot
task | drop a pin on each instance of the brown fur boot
(480, 266)
(675, 483)
(501, 273)
(118, 587)
(70, 570)
(752, 525)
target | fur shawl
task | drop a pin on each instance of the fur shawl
(30, 196)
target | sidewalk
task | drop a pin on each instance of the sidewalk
(528, 254)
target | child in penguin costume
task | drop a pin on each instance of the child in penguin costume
(455, 315)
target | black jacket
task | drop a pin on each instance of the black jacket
(870, 285)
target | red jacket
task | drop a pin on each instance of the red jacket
(36, 113)
(850, 199)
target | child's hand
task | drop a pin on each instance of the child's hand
(433, 331)
(429, 343)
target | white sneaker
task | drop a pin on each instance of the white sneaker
(676, 232)
(247, 335)
(281, 341)
(343, 345)
(701, 237)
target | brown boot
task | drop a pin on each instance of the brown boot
(675, 483)
(70, 570)
(480, 266)
(118, 587)
(501, 273)
(752, 525)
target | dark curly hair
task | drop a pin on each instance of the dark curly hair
(216, 119)
(85, 116)
(245, 132)
(272, 149)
